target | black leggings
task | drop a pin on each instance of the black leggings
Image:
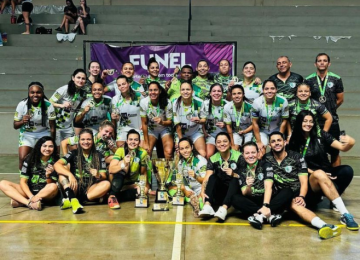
(116, 186)
(250, 205)
(221, 193)
(344, 174)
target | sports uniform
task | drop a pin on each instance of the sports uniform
(100, 144)
(223, 81)
(174, 90)
(31, 132)
(287, 89)
(252, 91)
(204, 85)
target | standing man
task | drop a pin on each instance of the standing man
(286, 80)
(327, 88)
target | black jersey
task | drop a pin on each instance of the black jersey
(287, 89)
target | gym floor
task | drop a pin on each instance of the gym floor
(133, 233)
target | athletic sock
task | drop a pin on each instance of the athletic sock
(69, 193)
(339, 204)
(317, 222)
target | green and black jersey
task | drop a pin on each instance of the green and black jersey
(287, 89)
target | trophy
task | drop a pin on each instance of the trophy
(162, 170)
(142, 201)
(178, 200)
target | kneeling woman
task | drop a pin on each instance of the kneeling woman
(256, 185)
(37, 178)
(221, 182)
(193, 167)
(128, 164)
(86, 179)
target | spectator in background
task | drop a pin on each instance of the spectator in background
(27, 7)
(83, 19)
(70, 15)
(4, 3)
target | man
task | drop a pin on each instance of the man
(173, 86)
(327, 88)
(286, 81)
(290, 171)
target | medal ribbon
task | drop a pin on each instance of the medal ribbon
(251, 168)
(322, 90)
(157, 108)
(192, 106)
(271, 111)
(238, 115)
(306, 147)
(221, 110)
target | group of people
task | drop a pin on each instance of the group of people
(26, 6)
(261, 147)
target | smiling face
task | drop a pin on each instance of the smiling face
(123, 85)
(36, 94)
(307, 123)
(283, 65)
(106, 132)
(224, 67)
(154, 69)
(47, 148)
(322, 63)
(249, 70)
(250, 154)
(202, 68)
(237, 95)
(127, 70)
(79, 79)
(222, 143)
(85, 141)
(186, 74)
(216, 93)
(154, 92)
(133, 141)
(94, 69)
(97, 90)
(269, 90)
(186, 91)
(303, 92)
(185, 149)
(277, 143)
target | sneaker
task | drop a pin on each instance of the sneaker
(348, 220)
(65, 204)
(329, 231)
(221, 213)
(207, 212)
(113, 202)
(76, 206)
(14, 203)
(58, 29)
(256, 221)
(194, 202)
(275, 220)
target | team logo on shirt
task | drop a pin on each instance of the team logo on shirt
(233, 166)
(260, 176)
(330, 84)
(292, 84)
(288, 169)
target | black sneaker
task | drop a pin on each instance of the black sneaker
(58, 29)
(275, 220)
(255, 223)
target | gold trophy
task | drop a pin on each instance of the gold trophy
(162, 169)
(178, 200)
(142, 201)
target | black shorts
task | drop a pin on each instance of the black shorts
(313, 198)
(27, 7)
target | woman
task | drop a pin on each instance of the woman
(153, 70)
(103, 140)
(94, 109)
(303, 101)
(128, 164)
(66, 101)
(224, 78)
(156, 119)
(203, 79)
(258, 198)
(269, 113)
(85, 178)
(214, 110)
(83, 13)
(35, 117)
(27, 8)
(237, 118)
(222, 179)
(37, 178)
(70, 15)
(189, 118)
(193, 167)
(125, 110)
(251, 84)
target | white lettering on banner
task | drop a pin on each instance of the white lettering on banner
(169, 60)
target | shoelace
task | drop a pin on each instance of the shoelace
(348, 217)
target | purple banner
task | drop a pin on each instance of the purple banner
(168, 57)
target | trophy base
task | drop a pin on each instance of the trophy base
(161, 196)
(142, 202)
(178, 201)
(160, 207)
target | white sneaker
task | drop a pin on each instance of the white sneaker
(221, 213)
(207, 212)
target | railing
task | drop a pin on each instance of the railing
(189, 21)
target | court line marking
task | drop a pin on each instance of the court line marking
(176, 252)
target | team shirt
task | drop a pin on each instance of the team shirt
(149, 111)
(252, 91)
(287, 89)
(35, 123)
(333, 85)
(37, 175)
(140, 160)
(184, 113)
(100, 144)
(137, 87)
(174, 90)
(65, 116)
(270, 116)
(217, 115)
(204, 85)
(232, 116)
(295, 107)
(85, 177)
(198, 165)
(263, 172)
(98, 112)
(286, 174)
(223, 81)
(215, 162)
(129, 111)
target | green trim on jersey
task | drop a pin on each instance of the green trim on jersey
(234, 156)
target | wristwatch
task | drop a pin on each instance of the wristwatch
(267, 205)
(122, 165)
